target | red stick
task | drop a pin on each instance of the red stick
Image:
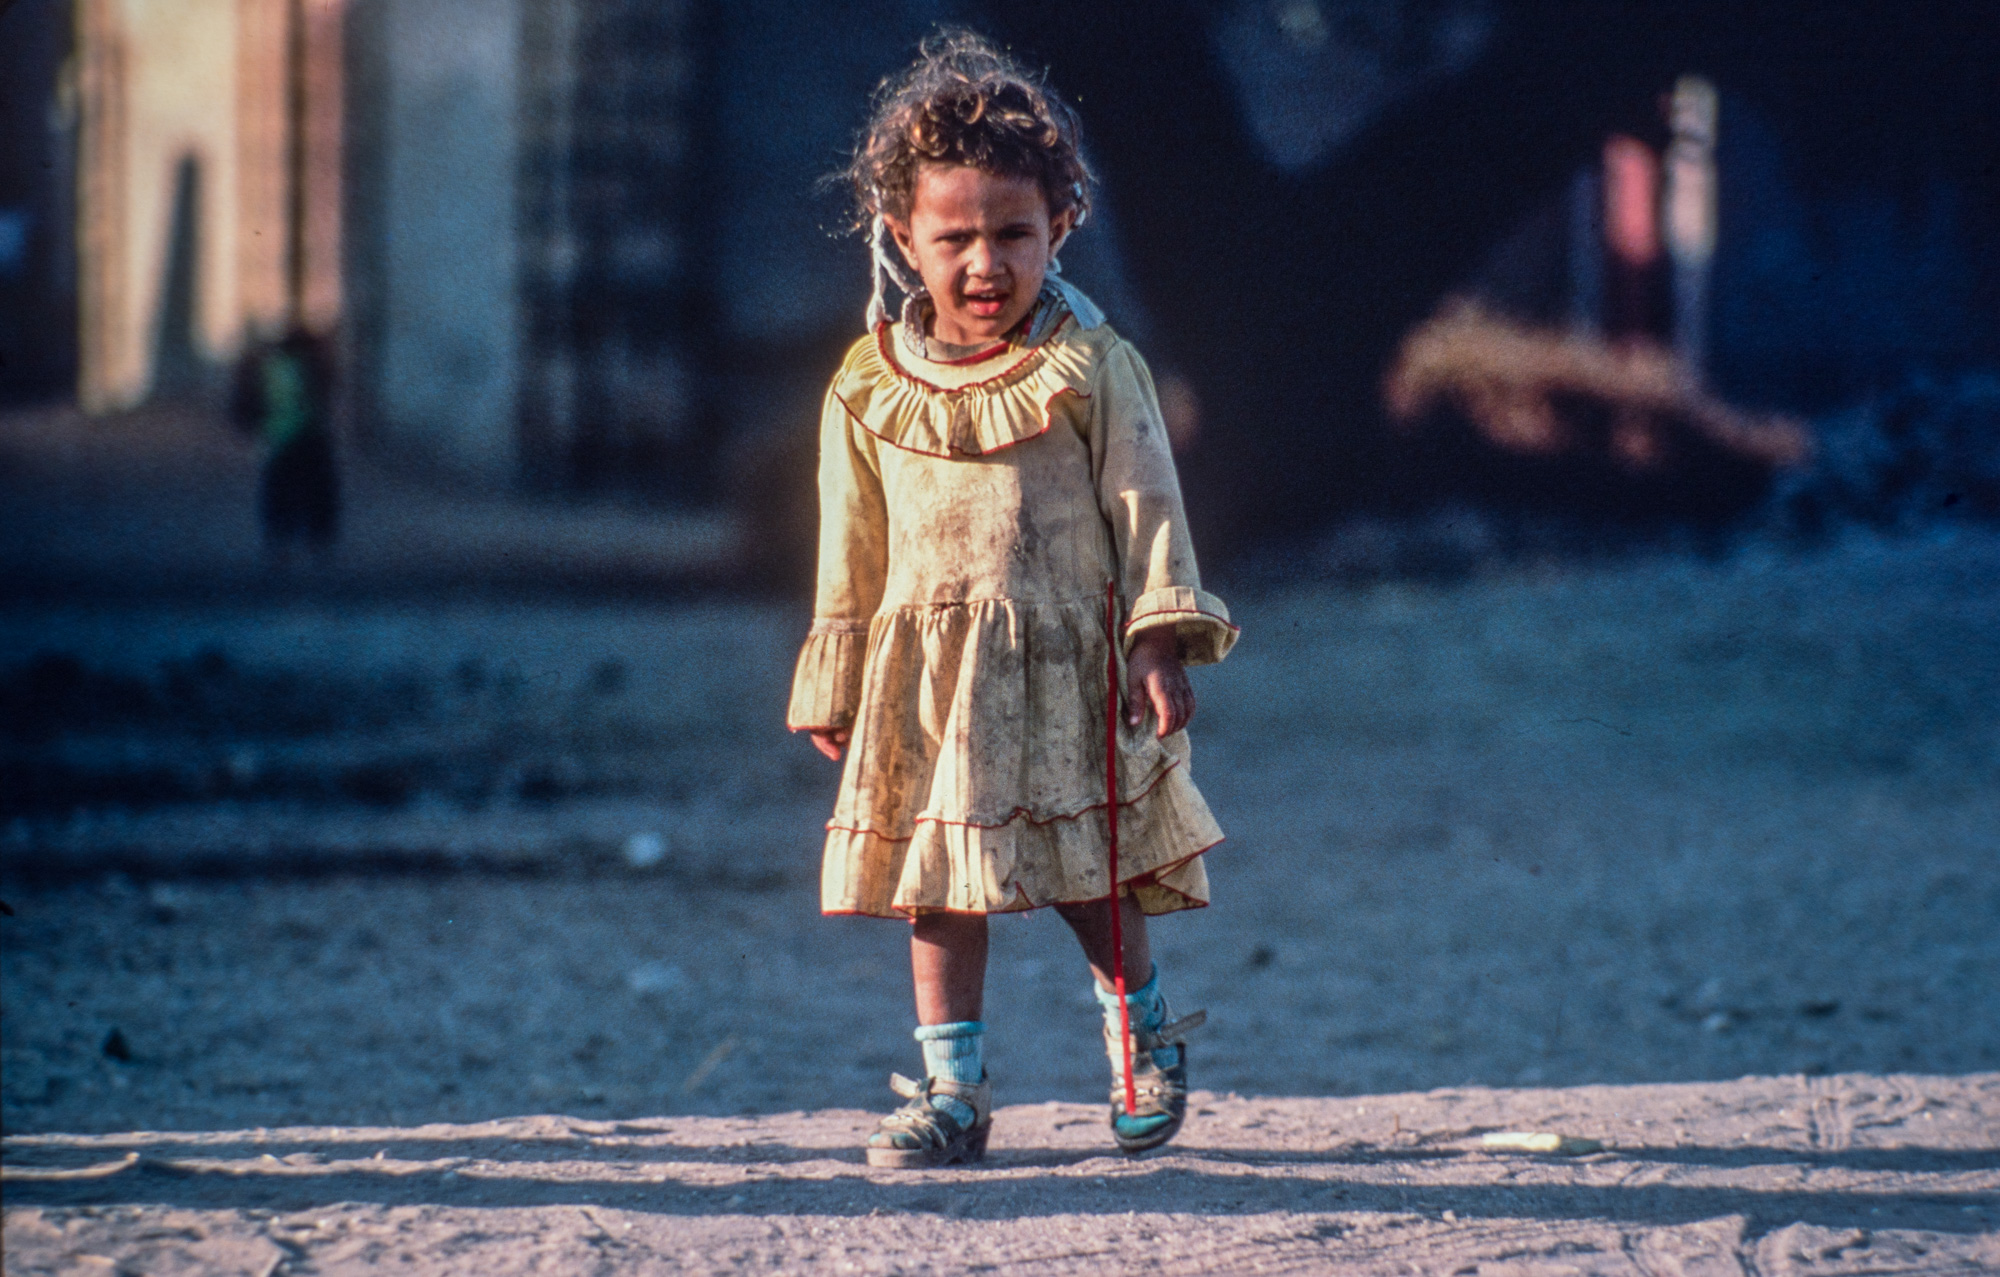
(1111, 813)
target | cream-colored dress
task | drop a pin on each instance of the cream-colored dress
(972, 517)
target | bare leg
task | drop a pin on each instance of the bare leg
(1092, 924)
(948, 961)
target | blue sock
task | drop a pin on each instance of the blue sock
(954, 1052)
(1148, 1009)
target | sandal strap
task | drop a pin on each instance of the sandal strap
(932, 1127)
(1154, 1089)
(1176, 1033)
(977, 1096)
(1158, 1084)
(1156, 1092)
(1171, 1034)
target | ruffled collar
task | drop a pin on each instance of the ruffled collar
(963, 410)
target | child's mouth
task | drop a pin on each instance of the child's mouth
(986, 305)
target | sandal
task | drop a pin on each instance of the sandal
(1158, 1091)
(919, 1134)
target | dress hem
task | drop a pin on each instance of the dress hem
(1149, 878)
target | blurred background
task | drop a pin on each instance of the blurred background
(407, 417)
(1613, 267)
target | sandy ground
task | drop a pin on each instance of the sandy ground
(1842, 1174)
(1695, 859)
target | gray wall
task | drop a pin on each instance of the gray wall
(432, 248)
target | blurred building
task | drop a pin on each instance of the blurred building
(577, 245)
(512, 211)
(207, 145)
(564, 245)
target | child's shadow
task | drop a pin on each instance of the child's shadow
(767, 1179)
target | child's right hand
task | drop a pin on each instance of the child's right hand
(1156, 680)
(830, 741)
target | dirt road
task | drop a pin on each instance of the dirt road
(1830, 1175)
(372, 868)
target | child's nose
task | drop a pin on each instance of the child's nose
(983, 258)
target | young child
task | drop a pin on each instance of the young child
(1001, 529)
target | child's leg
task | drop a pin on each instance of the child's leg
(948, 961)
(1159, 1063)
(1092, 924)
(946, 1119)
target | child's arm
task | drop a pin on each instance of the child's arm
(1171, 622)
(853, 565)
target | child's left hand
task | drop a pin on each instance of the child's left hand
(1154, 676)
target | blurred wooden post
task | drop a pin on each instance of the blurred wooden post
(322, 91)
(288, 132)
(295, 162)
(106, 368)
(263, 185)
(1690, 215)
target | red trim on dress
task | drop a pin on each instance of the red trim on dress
(889, 357)
(990, 351)
(1020, 813)
(978, 358)
(1179, 611)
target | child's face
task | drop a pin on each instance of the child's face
(982, 244)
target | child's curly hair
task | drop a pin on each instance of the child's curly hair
(963, 101)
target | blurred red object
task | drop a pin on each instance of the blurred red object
(1631, 201)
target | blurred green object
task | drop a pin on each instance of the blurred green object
(287, 411)
(283, 395)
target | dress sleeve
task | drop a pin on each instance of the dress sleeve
(853, 563)
(1140, 495)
